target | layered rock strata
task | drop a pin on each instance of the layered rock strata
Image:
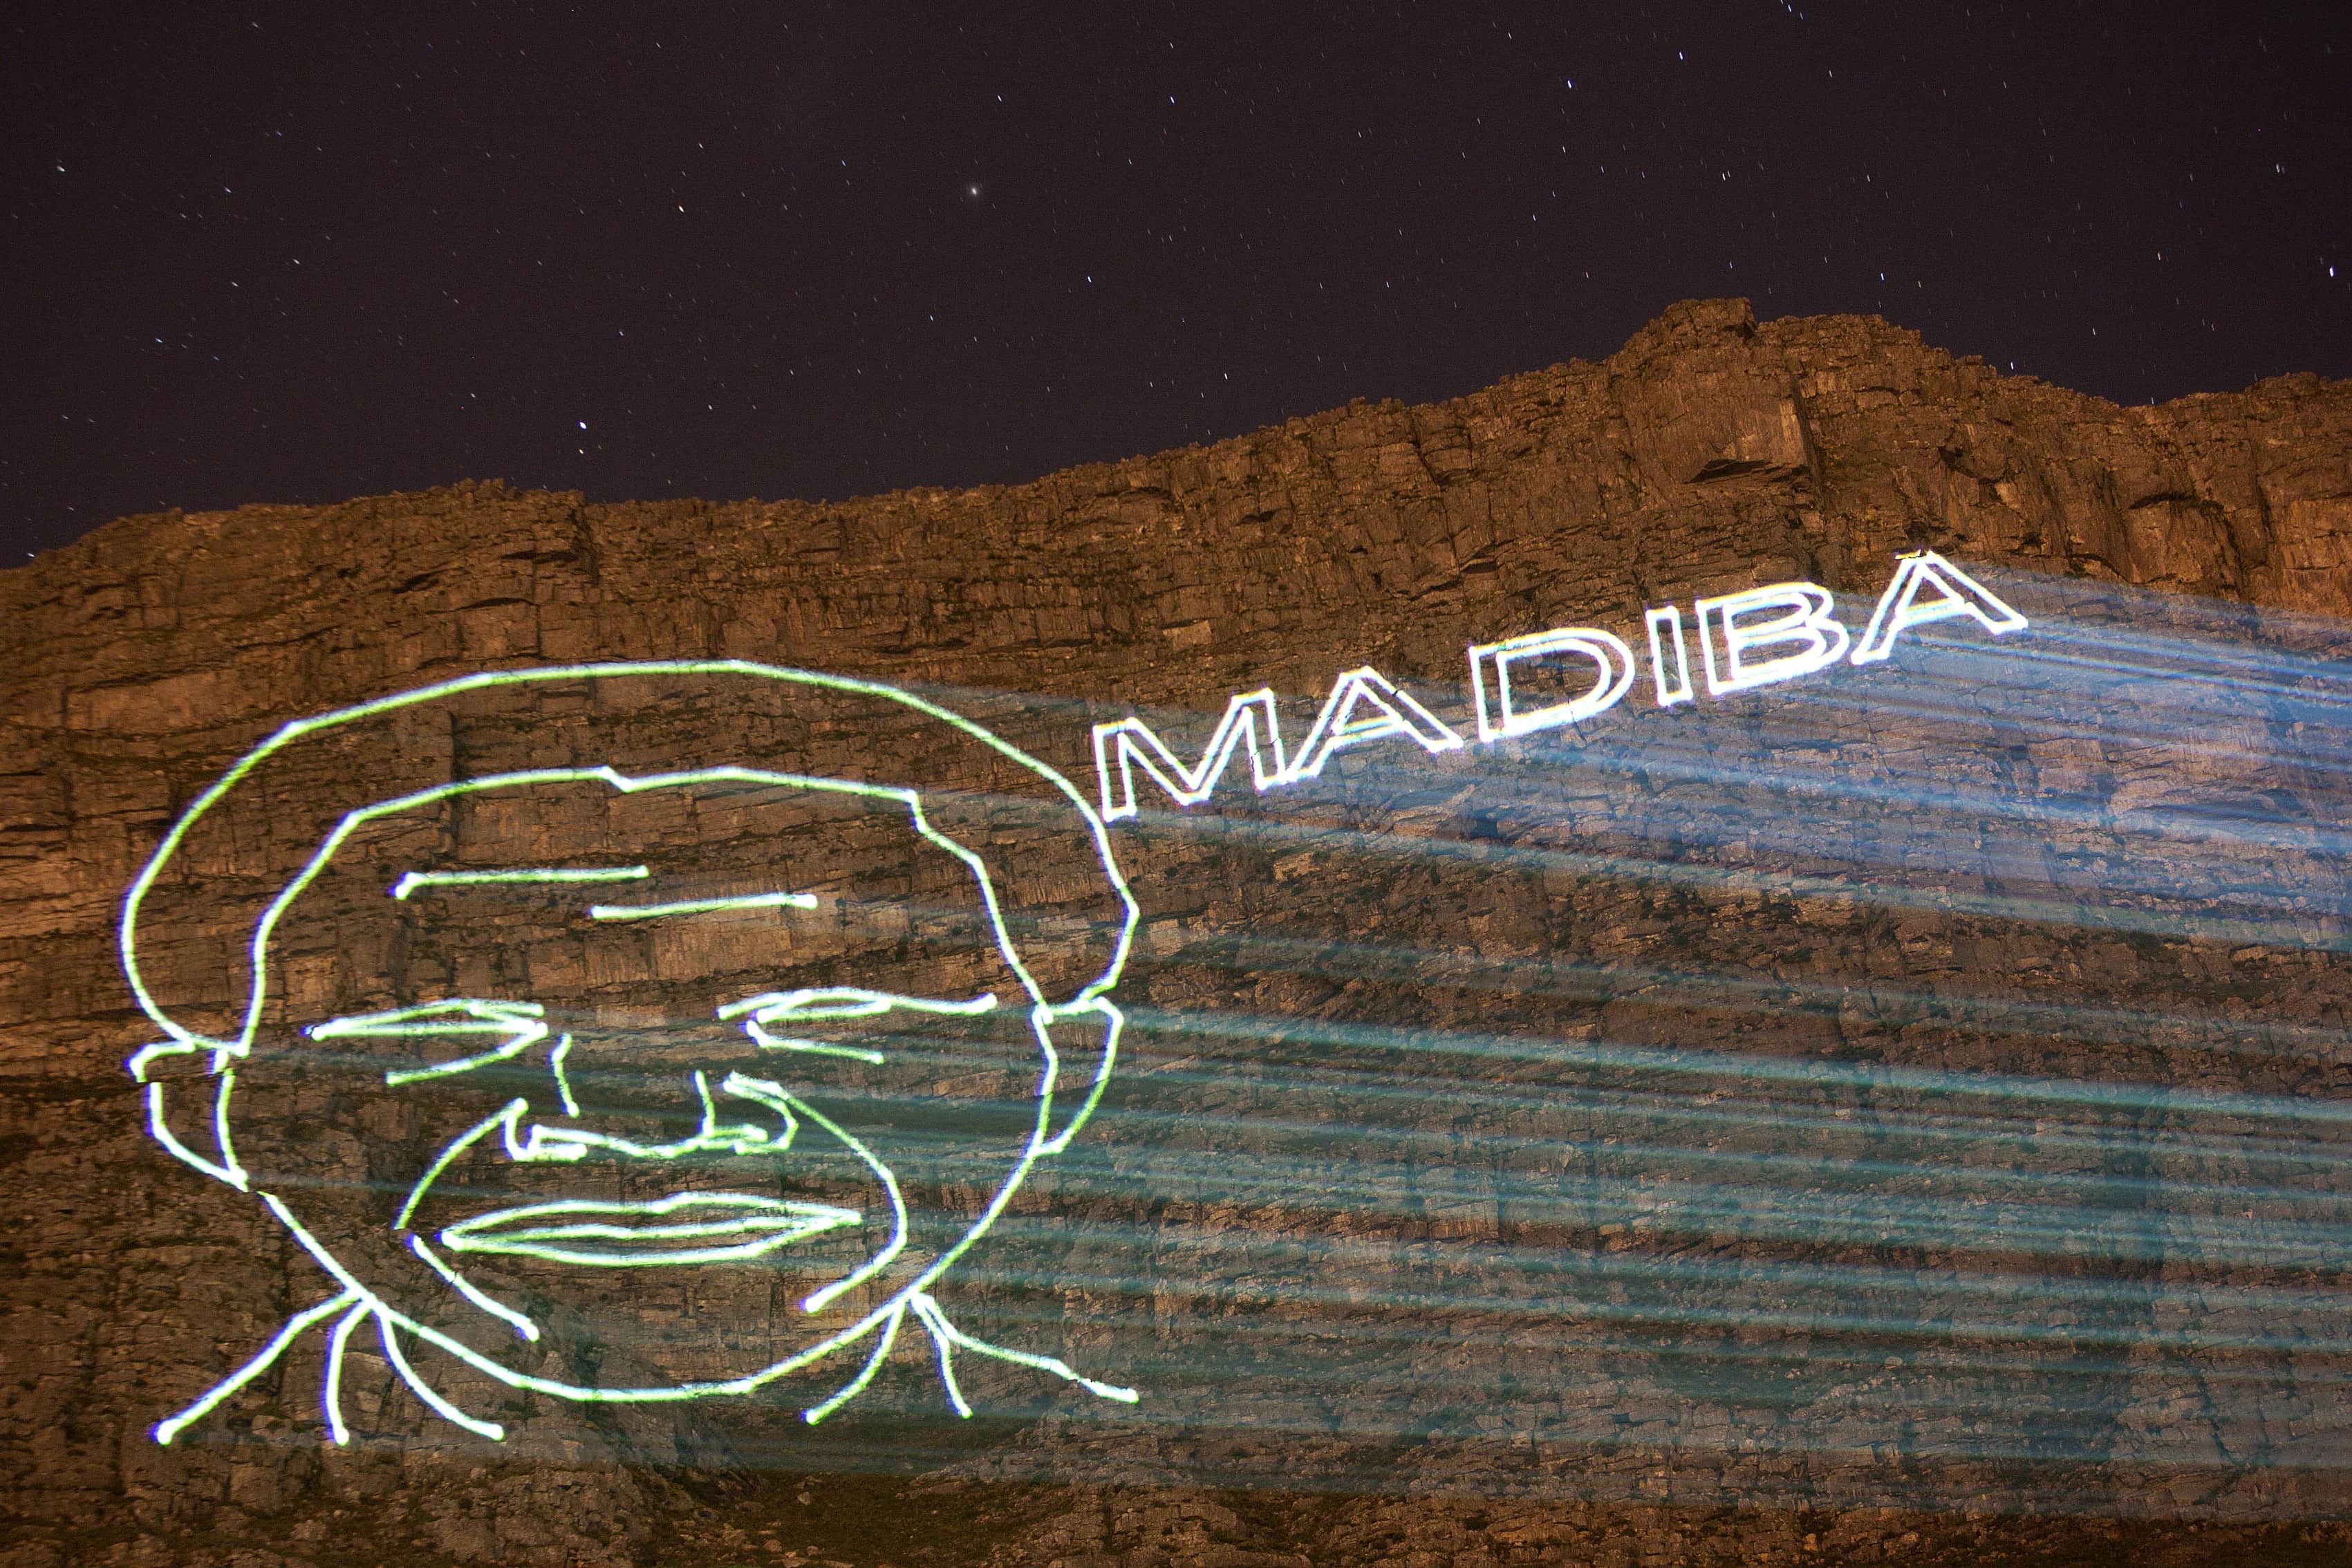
(1478, 968)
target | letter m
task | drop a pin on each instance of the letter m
(1121, 748)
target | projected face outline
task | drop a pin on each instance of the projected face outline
(448, 1040)
(680, 1231)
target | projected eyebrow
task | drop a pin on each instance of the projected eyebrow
(413, 881)
(701, 906)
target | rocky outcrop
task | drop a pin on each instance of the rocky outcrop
(1712, 453)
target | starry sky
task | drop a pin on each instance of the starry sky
(300, 252)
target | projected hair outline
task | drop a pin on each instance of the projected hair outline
(509, 1028)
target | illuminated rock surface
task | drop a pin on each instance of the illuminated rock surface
(1698, 913)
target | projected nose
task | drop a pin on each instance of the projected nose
(658, 1081)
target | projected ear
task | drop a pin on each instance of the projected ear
(186, 1108)
(1085, 1041)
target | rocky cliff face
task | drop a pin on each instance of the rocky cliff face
(1889, 1115)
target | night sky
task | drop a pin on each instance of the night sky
(303, 252)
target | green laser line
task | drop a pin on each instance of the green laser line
(416, 879)
(260, 1362)
(563, 1080)
(520, 1021)
(332, 1395)
(701, 906)
(472, 1292)
(767, 1224)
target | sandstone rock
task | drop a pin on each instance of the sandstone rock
(1712, 453)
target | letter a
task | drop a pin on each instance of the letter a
(1395, 713)
(1958, 595)
(1121, 747)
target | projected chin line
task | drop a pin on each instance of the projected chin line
(262, 1360)
(472, 1292)
(880, 1325)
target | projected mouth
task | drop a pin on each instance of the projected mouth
(685, 1227)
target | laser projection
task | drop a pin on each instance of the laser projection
(1892, 1052)
(547, 983)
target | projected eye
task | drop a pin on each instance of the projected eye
(452, 1037)
(772, 1011)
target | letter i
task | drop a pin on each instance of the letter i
(1669, 618)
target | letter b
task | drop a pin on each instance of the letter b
(1807, 617)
